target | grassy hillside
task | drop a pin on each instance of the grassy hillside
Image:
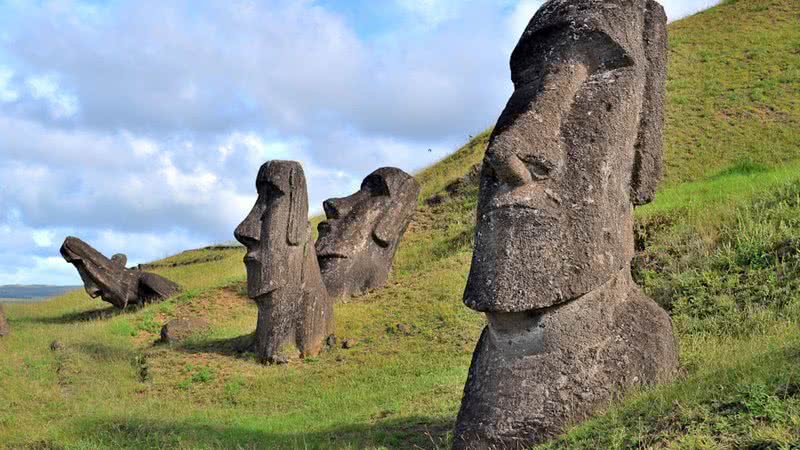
(719, 249)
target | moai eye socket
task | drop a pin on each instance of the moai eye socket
(539, 169)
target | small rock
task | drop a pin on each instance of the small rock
(280, 359)
(56, 345)
(179, 329)
(331, 340)
(339, 358)
(348, 343)
(403, 328)
(437, 199)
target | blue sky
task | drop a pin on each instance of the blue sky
(140, 125)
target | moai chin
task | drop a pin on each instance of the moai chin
(111, 280)
(357, 242)
(577, 146)
(283, 276)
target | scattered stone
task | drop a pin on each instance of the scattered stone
(403, 328)
(331, 340)
(279, 359)
(578, 144)
(177, 330)
(436, 199)
(349, 343)
(283, 275)
(4, 328)
(358, 239)
(111, 280)
(56, 345)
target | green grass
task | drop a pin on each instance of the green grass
(734, 75)
(718, 249)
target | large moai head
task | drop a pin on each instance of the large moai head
(357, 242)
(578, 144)
(102, 277)
(110, 279)
(276, 229)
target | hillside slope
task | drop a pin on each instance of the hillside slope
(720, 249)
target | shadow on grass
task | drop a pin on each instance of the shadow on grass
(410, 432)
(87, 316)
(234, 347)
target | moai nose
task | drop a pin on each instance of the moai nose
(336, 208)
(509, 168)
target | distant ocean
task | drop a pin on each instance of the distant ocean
(31, 293)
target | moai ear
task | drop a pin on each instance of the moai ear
(298, 207)
(395, 219)
(120, 260)
(648, 159)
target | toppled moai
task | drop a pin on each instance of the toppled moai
(4, 329)
(283, 276)
(357, 242)
(110, 280)
(578, 145)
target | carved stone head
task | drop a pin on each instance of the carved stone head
(357, 242)
(578, 144)
(110, 279)
(102, 277)
(276, 229)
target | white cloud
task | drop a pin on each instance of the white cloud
(677, 9)
(61, 104)
(433, 12)
(52, 270)
(43, 238)
(7, 92)
(140, 126)
(522, 14)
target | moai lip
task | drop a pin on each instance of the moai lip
(358, 241)
(283, 276)
(577, 146)
(110, 280)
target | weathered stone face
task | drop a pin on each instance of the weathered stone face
(555, 210)
(283, 276)
(274, 231)
(111, 280)
(357, 242)
(578, 144)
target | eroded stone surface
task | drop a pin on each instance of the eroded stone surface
(357, 242)
(283, 275)
(577, 146)
(110, 280)
(177, 330)
(4, 329)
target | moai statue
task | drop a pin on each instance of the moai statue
(357, 242)
(3, 323)
(111, 280)
(282, 272)
(578, 145)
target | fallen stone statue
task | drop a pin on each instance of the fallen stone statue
(283, 275)
(111, 280)
(578, 145)
(4, 329)
(357, 242)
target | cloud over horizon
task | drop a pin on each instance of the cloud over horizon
(140, 126)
